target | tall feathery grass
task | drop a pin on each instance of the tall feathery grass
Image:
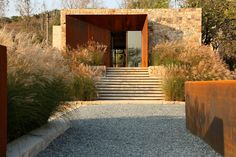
(40, 79)
(187, 62)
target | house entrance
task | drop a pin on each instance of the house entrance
(126, 49)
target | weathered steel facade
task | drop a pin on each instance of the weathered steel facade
(82, 28)
(3, 101)
(211, 113)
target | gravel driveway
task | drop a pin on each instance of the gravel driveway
(132, 130)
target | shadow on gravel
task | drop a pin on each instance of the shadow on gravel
(146, 136)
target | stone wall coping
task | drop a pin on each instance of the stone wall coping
(119, 11)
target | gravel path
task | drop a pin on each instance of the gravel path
(128, 131)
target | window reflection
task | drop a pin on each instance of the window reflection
(134, 48)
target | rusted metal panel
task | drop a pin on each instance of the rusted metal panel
(3, 101)
(211, 113)
(145, 43)
(115, 23)
(80, 32)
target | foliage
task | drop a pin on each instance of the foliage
(75, 4)
(141, 4)
(174, 88)
(40, 79)
(186, 62)
(83, 88)
(35, 24)
(90, 54)
(166, 54)
(219, 26)
(3, 7)
(30, 105)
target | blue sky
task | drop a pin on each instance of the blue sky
(56, 4)
(53, 4)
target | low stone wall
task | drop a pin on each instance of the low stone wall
(211, 113)
(157, 71)
(3, 100)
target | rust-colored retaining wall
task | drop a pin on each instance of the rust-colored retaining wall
(3, 101)
(211, 113)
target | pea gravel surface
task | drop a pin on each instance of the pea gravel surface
(133, 130)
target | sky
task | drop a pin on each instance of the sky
(56, 4)
(53, 4)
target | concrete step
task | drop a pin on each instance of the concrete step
(131, 95)
(127, 68)
(129, 83)
(129, 78)
(130, 92)
(142, 76)
(129, 89)
(131, 98)
(127, 73)
(129, 86)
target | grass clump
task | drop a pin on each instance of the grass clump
(40, 80)
(83, 88)
(186, 62)
(90, 54)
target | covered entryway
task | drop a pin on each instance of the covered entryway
(118, 32)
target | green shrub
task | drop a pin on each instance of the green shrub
(186, 62)
(83, 88)
(40, 79)
(174, 88)
(31, 104)
(166, 54)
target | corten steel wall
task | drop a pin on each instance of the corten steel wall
(211, 113)
(3, 101)
(80, 32)
(145, 43)
(82, 28)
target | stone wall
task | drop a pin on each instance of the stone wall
(56, 33)
(174, 24)
(164, 24)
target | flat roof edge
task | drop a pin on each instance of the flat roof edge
(119, 11)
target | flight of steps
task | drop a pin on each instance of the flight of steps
(128, 83)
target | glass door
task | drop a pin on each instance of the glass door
(134, 48)
(118, 49)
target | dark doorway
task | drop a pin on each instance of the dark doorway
(119, 53)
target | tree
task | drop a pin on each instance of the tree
(24, 7)
(218, 26)
(72, 4)
(3, 7)
(136, 4)
(96, 3)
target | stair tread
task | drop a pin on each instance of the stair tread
(130, 95)
(131, 98)
(131, 92)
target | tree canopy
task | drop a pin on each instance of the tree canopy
(136, 4)
(218, 26)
